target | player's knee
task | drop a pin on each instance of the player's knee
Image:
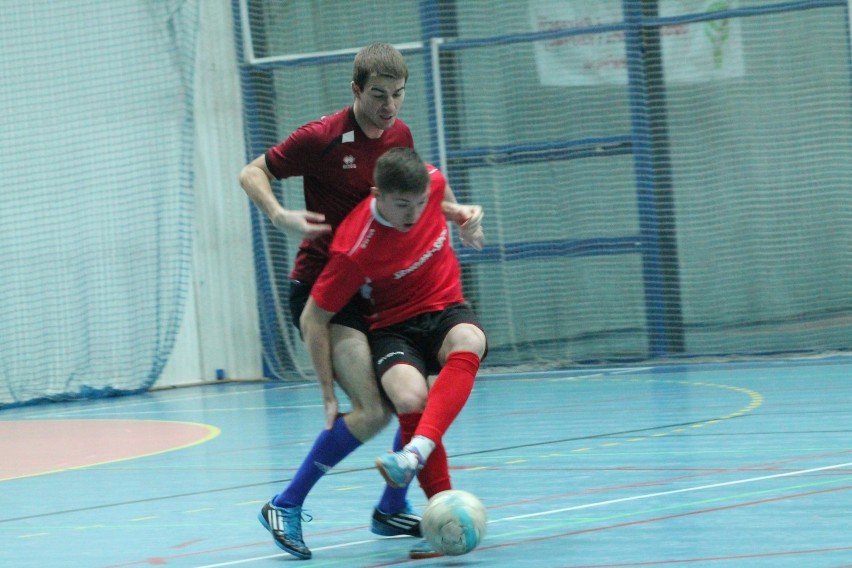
(414, 401)
(366, 422)
(376, 417)
(465, 337)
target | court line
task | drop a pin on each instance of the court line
(677, 516)
(674, 492)
(287, 555)
(211, 433)
(574, 508)
(340, 472)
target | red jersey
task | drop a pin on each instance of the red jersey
(401, 274)
(336, 160)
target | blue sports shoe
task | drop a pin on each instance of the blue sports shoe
(406, 522)
(399, 468)
(285, 524)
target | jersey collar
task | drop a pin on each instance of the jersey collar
(378, 216)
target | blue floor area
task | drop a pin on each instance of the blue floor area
(700, 465)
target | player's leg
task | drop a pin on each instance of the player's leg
(353, 369)
(283, 515)
(406, 387)
(459, 346)
(349, 344)
(458, 343)
(460, 354)
(370, 413)
(449, 332)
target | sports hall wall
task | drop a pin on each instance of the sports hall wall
(629, 218)
(661, 180)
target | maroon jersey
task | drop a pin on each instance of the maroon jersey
(401, 274)
(336, 160)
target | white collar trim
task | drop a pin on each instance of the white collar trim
(378, 216)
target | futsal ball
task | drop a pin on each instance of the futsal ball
(454, 522)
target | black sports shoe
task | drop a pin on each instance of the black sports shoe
(406, 522)
(285, 524)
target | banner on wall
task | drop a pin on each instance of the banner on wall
(692, 53)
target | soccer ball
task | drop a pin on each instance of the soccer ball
(454, 522)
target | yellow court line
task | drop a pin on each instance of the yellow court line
(755, 402)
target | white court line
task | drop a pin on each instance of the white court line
(284, 554)
(131, 403)
(673, 492)
(574, 508)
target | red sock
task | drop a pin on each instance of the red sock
(407, 425)
(435, 475)
(448, 395)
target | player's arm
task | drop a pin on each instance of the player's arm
(314, 323)
(467, 217)
(256, 181)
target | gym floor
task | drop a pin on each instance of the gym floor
(699, 465)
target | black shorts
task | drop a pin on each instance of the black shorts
(416, 341)
(350, 316)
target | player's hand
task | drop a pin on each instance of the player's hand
(302, 224)
(472, 217)
(470, 229)
(475, 240)
(331, 411)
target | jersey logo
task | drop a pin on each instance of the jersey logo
(367, 238)
(349, 162)
(437, 246)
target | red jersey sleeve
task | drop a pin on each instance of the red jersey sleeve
(339, 281)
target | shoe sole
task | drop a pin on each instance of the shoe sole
(422, 555)
(295, 553)
(388, 479)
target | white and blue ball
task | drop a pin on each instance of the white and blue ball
(454, 522)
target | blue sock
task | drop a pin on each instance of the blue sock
(329, 449)
(393, 500)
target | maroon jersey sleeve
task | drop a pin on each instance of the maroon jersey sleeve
(296, 155)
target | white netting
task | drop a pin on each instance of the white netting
(96, 132)
(655, 185)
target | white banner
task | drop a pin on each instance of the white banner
(692, 53)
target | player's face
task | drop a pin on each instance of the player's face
(402, 210)
(377, 106)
